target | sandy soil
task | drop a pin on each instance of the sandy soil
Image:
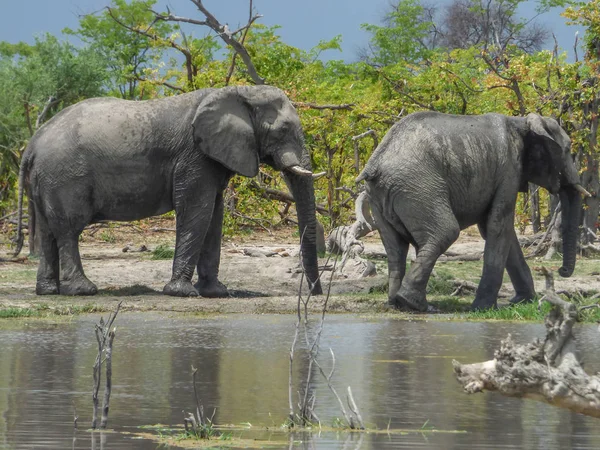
(258, 283)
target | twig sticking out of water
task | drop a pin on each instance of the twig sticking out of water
(105, 337)
(198, 425)
(75, 416)
(306, 396)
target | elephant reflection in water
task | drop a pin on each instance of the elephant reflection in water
(435, 174)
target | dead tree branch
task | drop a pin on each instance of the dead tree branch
(307, 399)
(104, 337)
(223, 32)
(42, 115)
(355, 140)
(344, 239)
(548, 371)
(343, 106)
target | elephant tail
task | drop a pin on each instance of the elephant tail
(22, 171)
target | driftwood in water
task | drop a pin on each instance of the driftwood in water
(344, 240)
(549, 371)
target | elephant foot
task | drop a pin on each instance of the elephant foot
(180, 288)
(520, 298)
(411, 299)
(211, 289)
(78, 286)
(481, 304)
(46, 287)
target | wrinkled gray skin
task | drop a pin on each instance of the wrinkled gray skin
(436, 174)
(111, 159)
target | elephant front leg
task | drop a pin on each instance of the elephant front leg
(193, 219)
(208, 284)
(498, 233)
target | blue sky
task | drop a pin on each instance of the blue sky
(304, 23)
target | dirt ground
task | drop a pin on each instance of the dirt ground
(258, 283)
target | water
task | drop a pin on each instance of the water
(400, 372)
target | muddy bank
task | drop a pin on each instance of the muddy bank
(261, 271)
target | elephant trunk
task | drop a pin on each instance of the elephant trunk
(302, 189)
(570, 201)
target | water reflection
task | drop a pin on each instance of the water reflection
(400, 373)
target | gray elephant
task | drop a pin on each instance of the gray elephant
(112, 159)
(435, 174)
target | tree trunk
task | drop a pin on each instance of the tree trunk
(590, 180)
(534, 204)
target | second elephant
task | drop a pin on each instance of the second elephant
(435, 174)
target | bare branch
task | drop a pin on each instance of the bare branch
(42, 115)
(344, 106)
(223, 33)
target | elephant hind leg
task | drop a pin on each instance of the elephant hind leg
(433, 231)
(396, 248)
(72, 279)
(48, 268)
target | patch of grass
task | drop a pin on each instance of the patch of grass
(440, 283)
(163, 251)
(71, 310)
(448, 304)
(45, 311)
(379, 289)
(12, 313)
(528, 312)
(14, 276)
(108, 236)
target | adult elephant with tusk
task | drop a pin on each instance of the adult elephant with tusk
(435, 174)
(112, 159)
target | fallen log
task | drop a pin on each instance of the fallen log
(549, 371)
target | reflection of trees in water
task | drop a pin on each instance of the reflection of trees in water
(38, 372)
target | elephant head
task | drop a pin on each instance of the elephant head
(548, 163)
(241, 127)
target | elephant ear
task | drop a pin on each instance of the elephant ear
(223, 131)
(543, 146)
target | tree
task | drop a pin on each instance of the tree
(128, 54)
(467, 23)
(37, 81)
(403, 36)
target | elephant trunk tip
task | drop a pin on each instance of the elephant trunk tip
(565, 271)
(316, 288)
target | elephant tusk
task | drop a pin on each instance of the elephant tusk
(318, 175)
(579, 188)
(299, 170)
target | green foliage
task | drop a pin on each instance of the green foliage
(401, 38)
(37, 81)
(128, 54)
(163, 251)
